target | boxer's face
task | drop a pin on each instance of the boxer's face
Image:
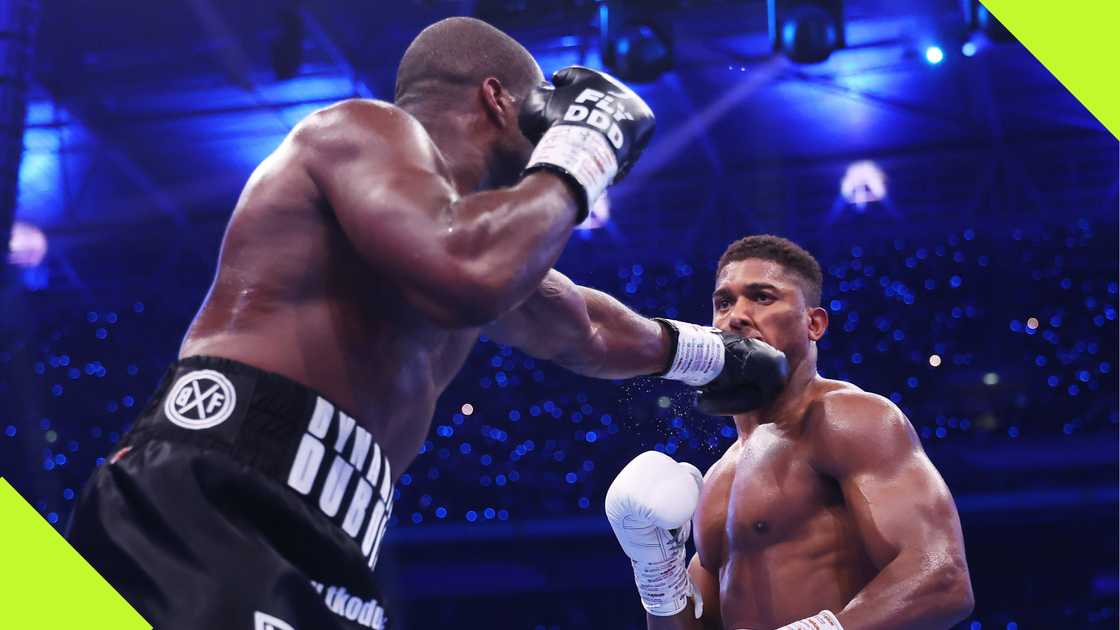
(761, 299)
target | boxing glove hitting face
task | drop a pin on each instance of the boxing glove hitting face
(734, 374)
(589, 128)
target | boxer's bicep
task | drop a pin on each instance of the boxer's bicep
(903, 511)
(903, 507)
(897, 497)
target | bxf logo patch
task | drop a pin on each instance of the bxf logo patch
(200, 400)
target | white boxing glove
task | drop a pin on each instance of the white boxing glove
(650, 506)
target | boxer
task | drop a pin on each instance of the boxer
(825, 513)
(359, 265)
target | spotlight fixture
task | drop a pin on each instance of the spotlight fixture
(806, 31)
(934, 55)
(635, 50)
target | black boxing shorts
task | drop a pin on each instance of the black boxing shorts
(240, 499)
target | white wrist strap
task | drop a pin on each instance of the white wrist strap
(824, 620)
(664, 585)
(699, 354)
(581, 152)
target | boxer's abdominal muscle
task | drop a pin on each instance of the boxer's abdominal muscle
(292, 297)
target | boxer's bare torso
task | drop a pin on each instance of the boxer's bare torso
(775, 530)
(292, 294)
(827, 499)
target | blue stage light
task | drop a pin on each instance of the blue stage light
(968, 49)
(806, 31)
(633, 49)
(934, 55)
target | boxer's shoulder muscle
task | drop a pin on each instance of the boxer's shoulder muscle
(847, 425)
(364, 129)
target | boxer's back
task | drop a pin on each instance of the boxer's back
(292, 296)
(777, 532)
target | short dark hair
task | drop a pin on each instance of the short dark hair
(462, 51)
(782, 251)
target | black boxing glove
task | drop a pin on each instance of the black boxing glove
(588, 127)
(735, 374)
(753, 375)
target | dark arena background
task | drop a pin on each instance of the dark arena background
(962, 203)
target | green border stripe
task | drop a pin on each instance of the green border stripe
(44, 583)
(1077, 41)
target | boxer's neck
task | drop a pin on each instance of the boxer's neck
(464, 154)
(788, 409)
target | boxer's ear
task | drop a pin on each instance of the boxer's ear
(498, 102)
(818, 323)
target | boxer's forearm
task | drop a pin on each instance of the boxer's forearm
(623, 344)
(584, 330)
(910, 593)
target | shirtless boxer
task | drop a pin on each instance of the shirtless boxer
(355, 274)
(824, 514)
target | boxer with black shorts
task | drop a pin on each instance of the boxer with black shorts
(221, 505)
(359, 266)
